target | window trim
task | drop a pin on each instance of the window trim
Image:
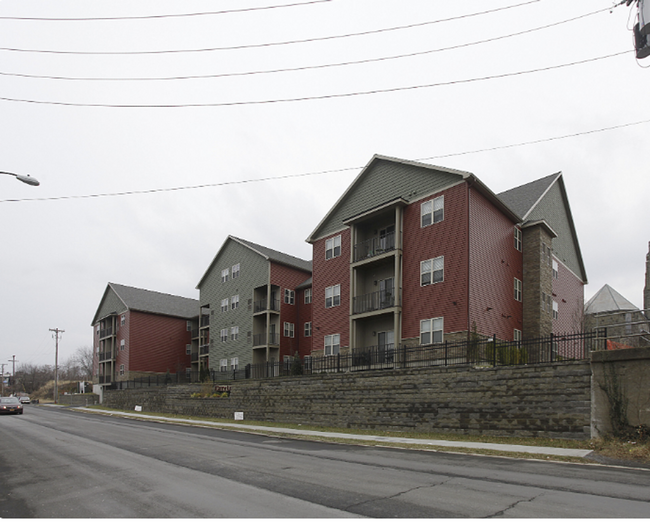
(334, 294)
(289, 330)
(436, 207)
(225, 275)
(518, 239)
(433, 339)
(307, 329)
(235, 270)
(519, 290)
(289, 297)
(234, 333)
(225, 305)
(334, 348)
(333, 242)
(432, 272)
(224, 335)
(308, 295)
(234, 302)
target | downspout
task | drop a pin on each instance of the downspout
(469, 254)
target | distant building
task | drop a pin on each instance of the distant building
(626, 325)
(255, 307)
(137, 332)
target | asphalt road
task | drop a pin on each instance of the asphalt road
(59, 463)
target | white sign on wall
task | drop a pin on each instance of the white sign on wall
(239, 416)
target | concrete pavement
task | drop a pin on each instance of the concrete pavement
(547, 451)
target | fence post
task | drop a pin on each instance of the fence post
(494, 347)
(446, 353)
(551, 348)
(338, 362)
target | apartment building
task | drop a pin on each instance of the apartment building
(255, 305)
(417, 254)
(137, 332)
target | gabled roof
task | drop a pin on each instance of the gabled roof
(546, 199)
(266, 253)
(396, 179)
(152, 302)
(608, 300)
(524, 198)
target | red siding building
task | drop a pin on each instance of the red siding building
(415, 254)
(137, 332)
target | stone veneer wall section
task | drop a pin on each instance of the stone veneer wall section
(550, 400)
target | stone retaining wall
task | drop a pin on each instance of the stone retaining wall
(550, 400)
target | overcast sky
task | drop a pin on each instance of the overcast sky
(308, 130)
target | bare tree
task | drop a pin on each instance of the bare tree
(84, 360)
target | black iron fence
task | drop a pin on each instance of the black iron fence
(477, 352)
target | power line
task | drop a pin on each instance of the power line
(272, 44)
(317, 97)
(308, 67)
(330, 171)
(150, 17)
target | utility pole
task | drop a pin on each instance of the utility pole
(13, 372)
(56, 364)
(2, 378)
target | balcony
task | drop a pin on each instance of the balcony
(261, 306)
(106, 356)
(105, 333)
(374, 247)
(205, 321)
(374, 301)
(260, 339)
(204, 349)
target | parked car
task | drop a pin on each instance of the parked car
(10, 406)
(24, 399)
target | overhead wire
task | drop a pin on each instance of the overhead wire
(329, 171)
(316, 97)
(150, 17)
(281, 43)
(309, 67)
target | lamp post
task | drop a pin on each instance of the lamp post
(23, 178)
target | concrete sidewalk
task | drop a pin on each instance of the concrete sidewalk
(547, 451)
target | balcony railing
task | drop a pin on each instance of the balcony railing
(105, 333)
(374, 301)
(194, 357)
(260, 339)
(261, 306)
(374, 247)
(205, 321)
(104, 356)
(204, 349)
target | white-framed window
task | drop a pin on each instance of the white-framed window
(188, 349)
(188, 326)
(122, 344)
(332, 344)
(288, 329)
(556, 310)
(234, 363)
(518, 289)
(517, 335)
(518, 244)
(431, 331)
(333, 296)
(122, 370)
(123, 319)
(432, 271)
(307, 329)
(235, 271)
(308, 295)
(234, 333)
(556, 270)
(432, 211)
(223, 364)
(224, 275)
(224, 335)
(333, 247)
(234, 302)
(289, 296)
(224, 305)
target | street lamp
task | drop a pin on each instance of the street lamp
(23, 178)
